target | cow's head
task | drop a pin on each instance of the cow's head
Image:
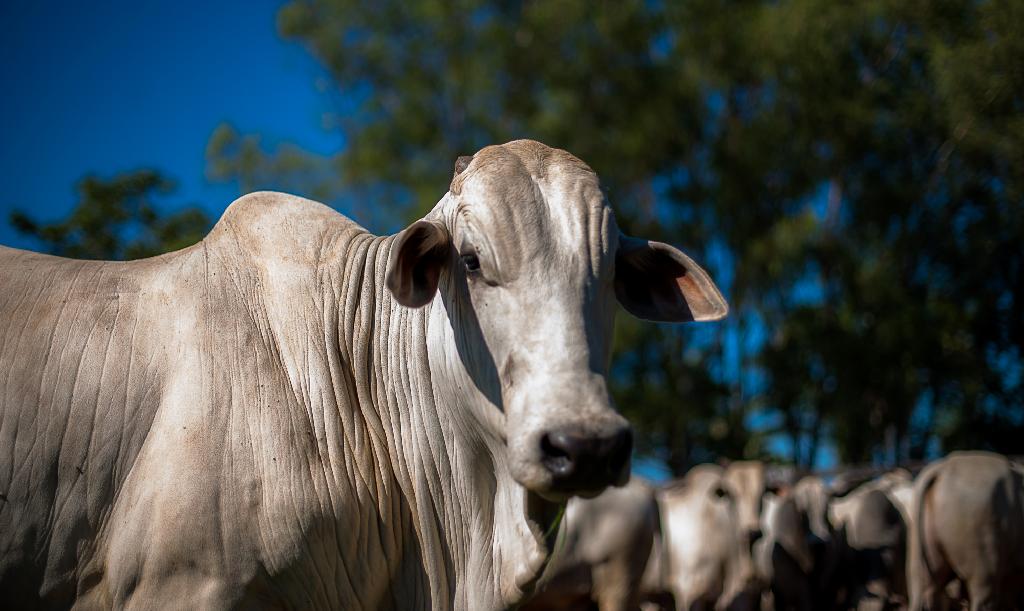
(531, 262)
(747, 479)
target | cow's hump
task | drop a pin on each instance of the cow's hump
(268, 224)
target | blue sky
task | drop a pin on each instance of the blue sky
(112, 86)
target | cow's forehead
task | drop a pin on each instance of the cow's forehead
(509, 181)
(526, 198)
(528, 157)
(704, 476)
(749, 475)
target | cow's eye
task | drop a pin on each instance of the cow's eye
(471, 262)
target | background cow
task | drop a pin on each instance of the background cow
(798, 556)
(873, 565)
(602, 552)
(969, 512)
(746, 479)
(872, 522)
(707, 558)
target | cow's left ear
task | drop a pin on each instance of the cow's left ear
(415, 262)
(655, 281)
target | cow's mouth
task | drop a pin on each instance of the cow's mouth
(544, 518)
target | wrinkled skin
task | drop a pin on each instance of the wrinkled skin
(708, 561)
(602, 553)
(297, 413)
(969, 510)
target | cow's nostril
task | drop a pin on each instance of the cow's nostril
(557, 451)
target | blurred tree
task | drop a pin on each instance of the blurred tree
(118, 219)
(849, 173)
(907, 118)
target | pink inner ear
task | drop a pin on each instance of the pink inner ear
(698, 294)
(675, 293)
(658, 282)
(697, 299)
(692, 293)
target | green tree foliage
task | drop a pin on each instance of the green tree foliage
(118, 219)
(850, 173)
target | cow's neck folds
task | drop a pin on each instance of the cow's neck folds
(520, 524)
(475, 526)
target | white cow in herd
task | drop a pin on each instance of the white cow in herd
(601, 556)
(707, 557)
(968, 529)
(297, 413)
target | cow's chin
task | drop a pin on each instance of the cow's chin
(559, 495)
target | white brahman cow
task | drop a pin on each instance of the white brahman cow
(871, 524)
(707, 557)
(296, 413)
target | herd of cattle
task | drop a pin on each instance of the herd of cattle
(743, 537)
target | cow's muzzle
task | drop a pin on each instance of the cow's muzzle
(586, 464)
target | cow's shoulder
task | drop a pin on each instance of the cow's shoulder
(272, 225)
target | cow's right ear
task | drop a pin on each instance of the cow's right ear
(657, 282)
(415, 262)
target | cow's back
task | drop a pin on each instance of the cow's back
(79, 347)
